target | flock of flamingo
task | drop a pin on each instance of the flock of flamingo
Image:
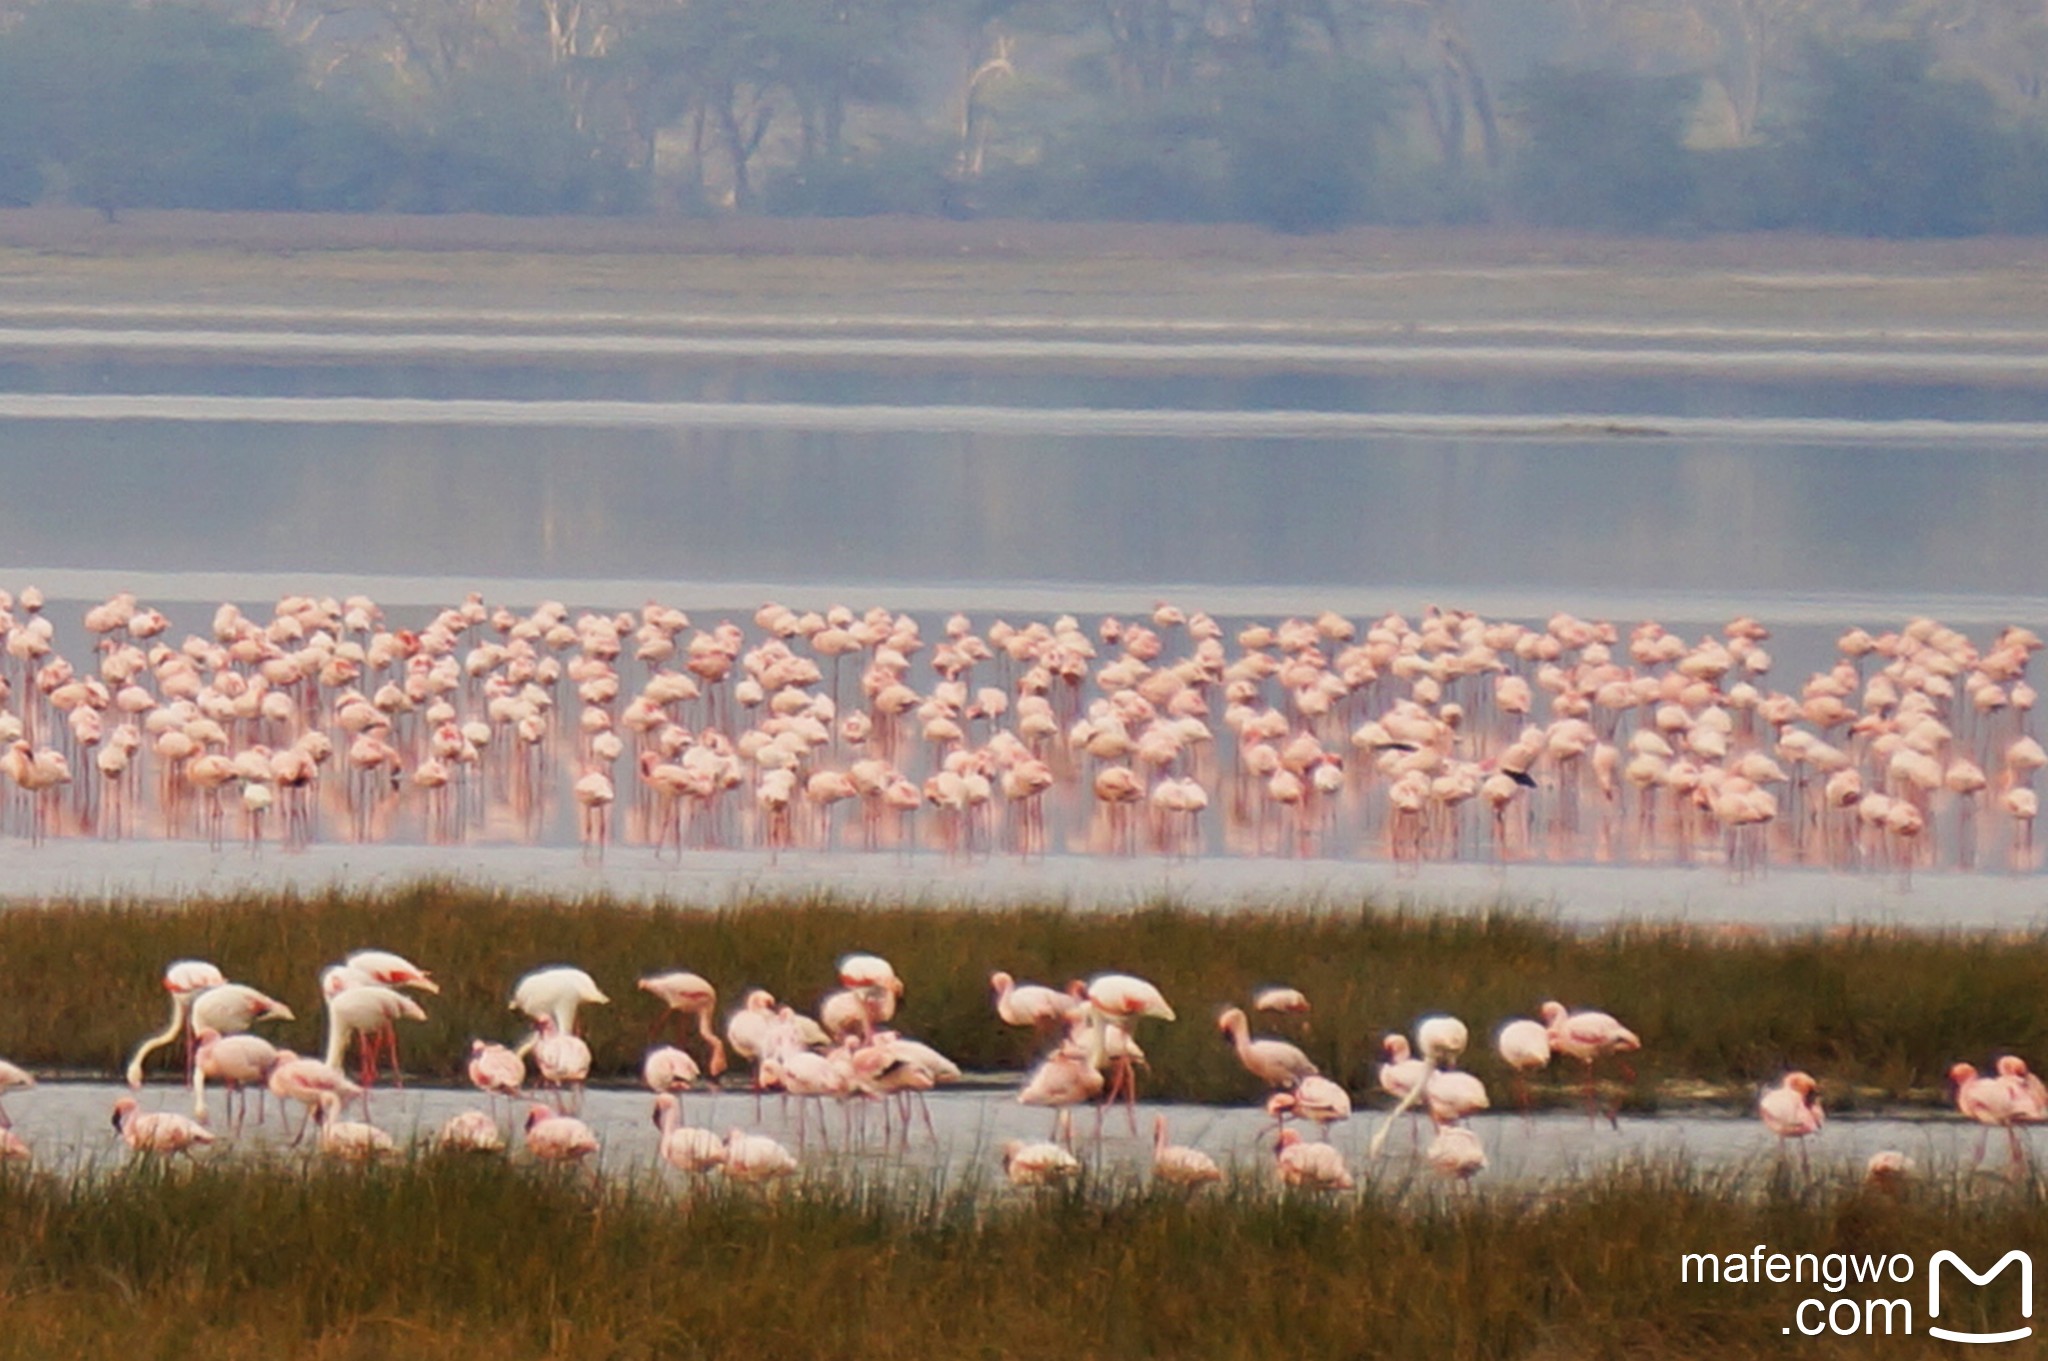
(1449, 735)
(849, 1055)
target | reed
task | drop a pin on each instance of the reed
(412, 1259)
(1878, 1015)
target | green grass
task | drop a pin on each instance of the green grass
(1878, 1015)
(427, 1255)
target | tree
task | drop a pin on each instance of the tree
(1604, 148)
(166, 106)
(1884, 147)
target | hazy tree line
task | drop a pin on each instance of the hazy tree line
(1892, 117)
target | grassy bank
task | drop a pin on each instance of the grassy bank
(1879, 1015)
(414, 1259)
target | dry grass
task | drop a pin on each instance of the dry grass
(1878, 1015)
(426, 1256)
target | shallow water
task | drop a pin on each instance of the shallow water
(67, 1126)
(1813, 476)
(821, 452)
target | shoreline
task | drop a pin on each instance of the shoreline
(1588, 897)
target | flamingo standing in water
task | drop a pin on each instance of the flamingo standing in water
(757, 1158)
(1997, 1101)
(235, 1061)
(558, 993)
(561, 1059)
(686, 994)
(1456, 1153)
(495, 1070)
(1178, 1164)
(1038, 1164)
(308, 1082)
(12, 1078)
(1312, 1167)
(183, 979)
(367, 1013)
(1587, 1036)
(165, 1133)
(559, 1139)
(1119, 1000)
(352, 1141)
(1792, 1111)
(1524, 1046)
(684, 1147)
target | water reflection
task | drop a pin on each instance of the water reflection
(1666, 516)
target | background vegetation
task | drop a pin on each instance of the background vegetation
(1877, 1015)
(1882, 117)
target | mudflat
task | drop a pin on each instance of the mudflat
(1062, 272)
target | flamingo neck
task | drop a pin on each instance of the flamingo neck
(179, 1002)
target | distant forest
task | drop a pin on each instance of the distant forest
(1874, 117)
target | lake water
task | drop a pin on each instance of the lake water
(1812, 477)
(1896, 471)
(66, 1125)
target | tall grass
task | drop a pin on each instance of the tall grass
(1879, 1015)
(410, 1260)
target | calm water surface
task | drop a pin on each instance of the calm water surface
(823, 469)
(1813, 480)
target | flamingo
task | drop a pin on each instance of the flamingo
(684, 1147)
(232, 1008)
(164, 1133)
(1038, 1164)
(1442, 1040)
(1178, 1164)
(668, 1069)
(594, 794)
(392, 971)
(351, 1141)
(1453, 1097)
(1273, 1062)
(1316, 1099)
(1995, 1101)
(182, 979)
(308, 1082)
(869, 971)
(1067, 1078)
(12, 1078)
(805, 1074)
(1586, 1036)
(1031, 1004)
(757, 1158)
(1286, 1001)
(1119, 1000)
(1792, 1111)
(368, 1013)
(1456, 1153)
(1402, 1077)
(1312, 1167)
(1524, 1046)
(558, 1139)
(470, 1131)
(557, 992)
(495, 1070)
(561, 1059)
(686, 994)
(235, 1061)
